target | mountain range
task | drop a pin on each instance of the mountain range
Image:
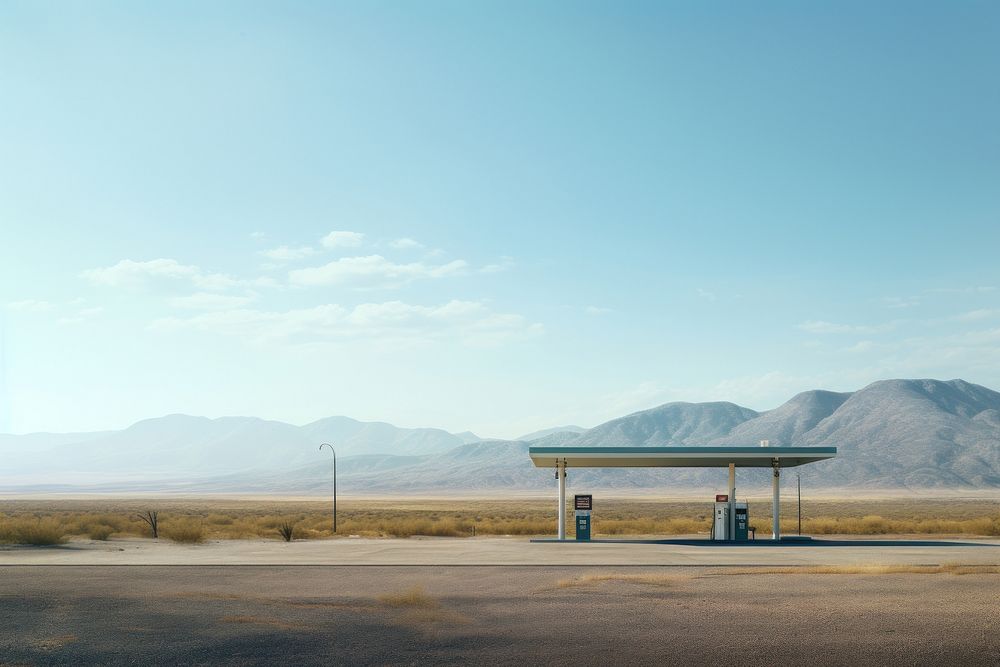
(892, 434)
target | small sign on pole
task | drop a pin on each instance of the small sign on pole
(583, 502)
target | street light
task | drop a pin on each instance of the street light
(798, 479)
(334, 483)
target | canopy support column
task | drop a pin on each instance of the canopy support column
(561, 474)
(731, 530)
(776, 500)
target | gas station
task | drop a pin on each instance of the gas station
(730, 519)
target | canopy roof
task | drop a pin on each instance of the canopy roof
(670, 457)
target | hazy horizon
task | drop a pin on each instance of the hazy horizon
(484, 436)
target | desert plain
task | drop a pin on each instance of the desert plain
(884, 581)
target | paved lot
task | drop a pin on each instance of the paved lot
(492, 551)
(265, 615)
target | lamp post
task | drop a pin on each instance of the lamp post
(798, 479)
(334, 483)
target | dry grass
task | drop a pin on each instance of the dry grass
(31, 531)
(873, 568)
(416, 607)
(236, 519)
(647, 579)
(100, 532)
(53, 643)
(414, 597)
(184, 531)
(878, 525)
(666, 580)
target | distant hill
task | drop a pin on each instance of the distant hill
(536, 435)
(914, 433)
(891, 434)
(184, 448)
(673, 423)
(184, 444)
(353, 437)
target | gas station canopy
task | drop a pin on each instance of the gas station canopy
(765, 456)
(672, 457)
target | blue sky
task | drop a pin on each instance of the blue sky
(490, 216)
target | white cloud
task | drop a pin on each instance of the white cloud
(82, 315)
(210, 301)
(597, 310)
(504, 264)
(286, 253)
(372, 271)
(901, 302)
(405, 244)
(30, 305)
(342, 239)
(976, 289)
(257, 236)
(821, 327)
(706, 294)
(471, 322)
(977, 315)
(261, 325)
(129, 273)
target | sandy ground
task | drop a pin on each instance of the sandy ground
(496, 551)
(266, 615)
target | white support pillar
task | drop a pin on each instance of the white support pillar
(731, 529)
(561, 474)
(776, 500)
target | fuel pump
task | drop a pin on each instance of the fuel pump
(720, 520)
(583, 505)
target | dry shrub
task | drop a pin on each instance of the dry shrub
(185, 531)
(650, 526)
(520, 526)
(409, 526)
(30, 531)
(877, 525)
(287, 531)
(100, 532)
(219, 520)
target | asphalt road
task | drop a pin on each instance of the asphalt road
(505, 615)
(499, 551)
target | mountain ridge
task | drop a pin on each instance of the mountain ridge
(919, 433)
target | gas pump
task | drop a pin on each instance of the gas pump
(583, 506)
(720, 520)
